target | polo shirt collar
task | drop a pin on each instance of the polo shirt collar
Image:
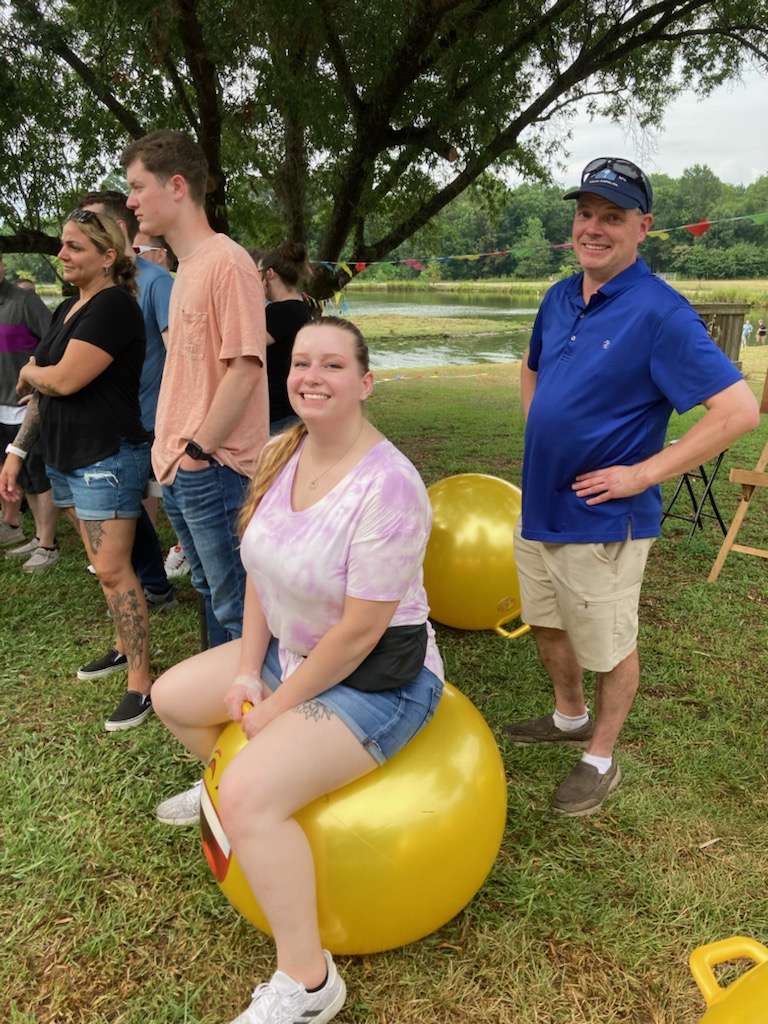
(627, 278)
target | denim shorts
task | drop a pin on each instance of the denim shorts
(383, 722)
(112, 488)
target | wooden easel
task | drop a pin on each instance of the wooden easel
(750, 480)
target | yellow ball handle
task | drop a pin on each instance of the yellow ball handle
(704, 959)
(513, 634)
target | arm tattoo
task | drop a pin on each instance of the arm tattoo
(95, 531)
(314, 711)
(48, 389)
(29, 431)
(130, 623)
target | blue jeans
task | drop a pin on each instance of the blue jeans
(203, 506)
(147, 556)
(384, 721)
(111, 488)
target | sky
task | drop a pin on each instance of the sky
(726, 131)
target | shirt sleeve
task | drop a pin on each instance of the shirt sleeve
(387, 549)
(160, 296)
(240, 312)
(112, 322)
(686, 365)
(37, 316)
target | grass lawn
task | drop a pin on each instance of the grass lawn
(110, 917)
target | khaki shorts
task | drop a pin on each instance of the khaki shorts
(591, 591)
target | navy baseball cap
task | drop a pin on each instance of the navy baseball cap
(617, 180)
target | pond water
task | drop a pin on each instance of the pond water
(504, 340)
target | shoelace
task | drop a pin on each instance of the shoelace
(273, 1002)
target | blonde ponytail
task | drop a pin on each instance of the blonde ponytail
(274, 456)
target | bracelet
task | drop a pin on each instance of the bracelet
(12, 449)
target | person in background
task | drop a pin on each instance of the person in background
(212, 417)
(337, 656)
(84, 385)
(25, 284)
(24, 319)
(762, 331)
(283, 270)
(613, 350)
(746, 332)
(155, 249)
(154, 291)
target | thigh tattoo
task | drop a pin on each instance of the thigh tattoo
(95, 531)
(314, 711)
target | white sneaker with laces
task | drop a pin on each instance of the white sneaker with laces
(176, 563)
(285, 1001)
(181, 809)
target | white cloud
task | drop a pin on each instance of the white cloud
(725, 131)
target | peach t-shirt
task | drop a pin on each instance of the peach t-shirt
(216, 313)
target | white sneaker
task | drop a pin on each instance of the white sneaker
(182, 809)
(285, 1001)
(176, 563)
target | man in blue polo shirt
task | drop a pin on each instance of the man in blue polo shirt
(613, 351)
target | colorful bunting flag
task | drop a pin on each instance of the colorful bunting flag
(697, 230)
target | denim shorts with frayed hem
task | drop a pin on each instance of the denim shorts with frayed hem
(384, 721)
(112, 488)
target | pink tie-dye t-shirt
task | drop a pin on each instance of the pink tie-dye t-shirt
(366, 538)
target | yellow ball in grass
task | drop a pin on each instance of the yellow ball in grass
(398, 853)
(469, 568)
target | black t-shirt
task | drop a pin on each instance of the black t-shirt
(283, 322)
(78, 430)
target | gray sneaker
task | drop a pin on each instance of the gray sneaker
(583, 790)
(10, 535)
(544, 730)
(23, 550)
(181, 809)
(41, 559)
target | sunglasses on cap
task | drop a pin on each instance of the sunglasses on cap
(141, 249)
(623, 167)
(85, 217)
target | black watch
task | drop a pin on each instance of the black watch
(194, 451)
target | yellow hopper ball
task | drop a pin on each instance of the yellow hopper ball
(469, 568)
(745, 1001)
(397, 853)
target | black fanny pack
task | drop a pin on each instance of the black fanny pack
(395, 661)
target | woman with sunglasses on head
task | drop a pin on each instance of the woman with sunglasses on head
(83, 383)
(283, 270)
(337, 657)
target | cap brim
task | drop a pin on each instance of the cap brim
(625, 202)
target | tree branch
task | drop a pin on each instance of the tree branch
(30, 240)
(339, 59)
(52, 37)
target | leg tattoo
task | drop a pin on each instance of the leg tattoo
(314, 711)
(95, 531)
(130, 624)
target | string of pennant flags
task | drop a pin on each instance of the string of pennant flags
(357, 267)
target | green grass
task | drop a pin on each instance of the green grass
(109, 917)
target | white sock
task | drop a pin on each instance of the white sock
(568, 724)
(602, 764)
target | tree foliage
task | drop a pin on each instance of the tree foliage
(350, 126)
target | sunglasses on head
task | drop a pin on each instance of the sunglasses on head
(85, 217)
(623, 167)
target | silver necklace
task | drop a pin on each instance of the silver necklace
(312, 484)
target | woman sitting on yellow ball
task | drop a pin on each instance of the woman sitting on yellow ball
(337, 656)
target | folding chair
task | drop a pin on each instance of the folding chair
(698, 503)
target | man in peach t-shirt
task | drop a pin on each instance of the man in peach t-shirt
(212, 415)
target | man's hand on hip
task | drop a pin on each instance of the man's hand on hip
(601, 485)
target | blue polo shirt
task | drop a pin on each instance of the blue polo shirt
(609, 374)
(154, 283)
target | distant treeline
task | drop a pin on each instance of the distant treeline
(531, 219)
